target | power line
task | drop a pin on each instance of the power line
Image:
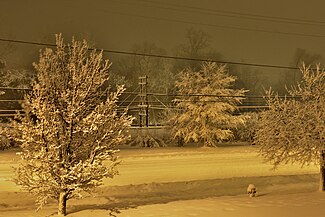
(218, 26)
(203, 60)
(14, 88)
(274, 18)
(222, 13)
(27, 42)
(161, 56)
(198, 95)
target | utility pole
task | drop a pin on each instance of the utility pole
(144, 105)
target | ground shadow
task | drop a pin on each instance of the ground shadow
(118, 198)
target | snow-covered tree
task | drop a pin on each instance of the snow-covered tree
(71, 125)
(15, 78)
(12, 78)
(293, 129)
(206, 104)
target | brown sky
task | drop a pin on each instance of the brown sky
(118, 24)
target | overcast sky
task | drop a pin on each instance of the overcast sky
(258, 31)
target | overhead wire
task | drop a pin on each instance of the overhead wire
(159, 55)
(224, 13)
(241, 14)
(132, 93)
(217, 25)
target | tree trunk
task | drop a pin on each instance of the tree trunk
(180, 142)
(322, 172)
(63, 203)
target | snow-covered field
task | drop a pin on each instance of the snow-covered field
(183, 182)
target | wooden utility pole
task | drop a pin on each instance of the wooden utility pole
(144, 105)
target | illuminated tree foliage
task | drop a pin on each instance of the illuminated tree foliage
(205, 106)
(71, 125)
(293, 129)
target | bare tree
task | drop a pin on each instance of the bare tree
(302, 56)
(6, 48)
(291, 77)
(196, 42)
(10, 77)
(293, 129)
(132, 67)
(253, 80)
(71, 126)
(196, 45)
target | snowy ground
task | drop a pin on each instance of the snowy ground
(183, 182)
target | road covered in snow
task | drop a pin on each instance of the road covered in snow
(186, 164)
(139, 165)
(175, 164)
(186, 181)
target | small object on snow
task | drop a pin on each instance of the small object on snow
(251, 190)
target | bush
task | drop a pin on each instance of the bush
(4, 143)
(148, 138)
(6, 137)
(247, 131)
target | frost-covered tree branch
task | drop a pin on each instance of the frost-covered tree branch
(293, 129)
(71, 126)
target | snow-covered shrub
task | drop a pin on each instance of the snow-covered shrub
(246, 132)
(6, 137)
(149, 138)
(147, 141)
(4, 143)
(14, 78)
